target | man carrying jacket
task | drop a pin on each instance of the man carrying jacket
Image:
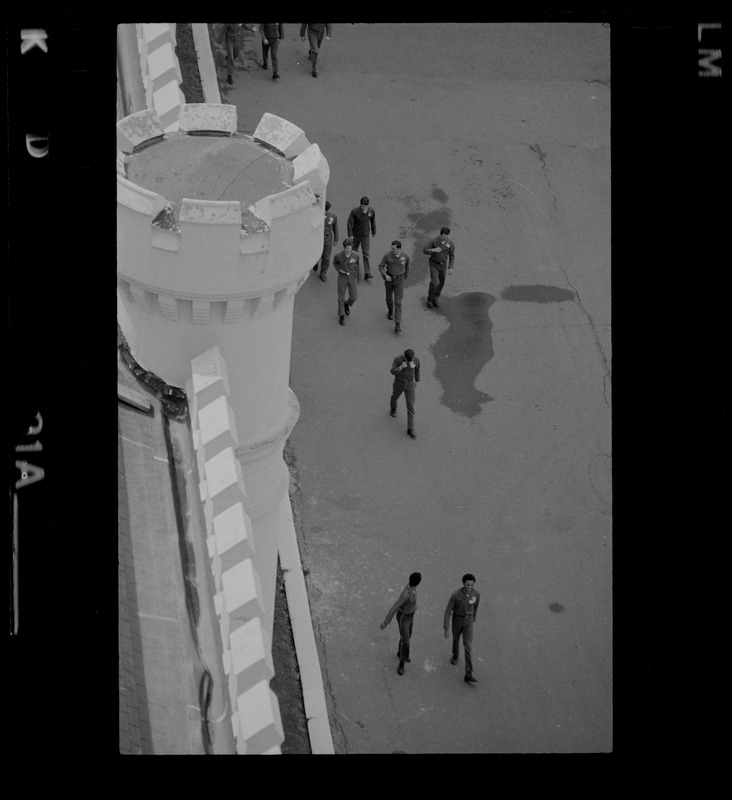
(463, 608)
(315, 31)
(405, 370)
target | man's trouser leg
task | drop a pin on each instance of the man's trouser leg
(352, 290)
(398, 284)
(365, 245)
(274, 47)
(437, 281)
(457, 629)
(406, 623)
(230, 58)
(396, 392)
(265, 51)
(342, 285)
(409, 393)
(389, 288)
(325, 257)
(468, 643)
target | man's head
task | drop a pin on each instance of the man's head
(415, 579)
(327, 205)
(444, 232)
(468, 581)
(364, 203)
(409, 354)
(348, 243)
(396, 247)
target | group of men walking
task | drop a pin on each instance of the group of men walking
(272, 34)
(394, 270)
(460, 615)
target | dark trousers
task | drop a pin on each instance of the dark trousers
(437, 281)
(273, 46)
(463, 626)
(406, 624)
(315, 39)
(408, 387)
(365, 243)
(346, 282)
(394, 294)
(230, 45)
(325, 257)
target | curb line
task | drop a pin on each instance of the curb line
(206, 66)
(311, 678)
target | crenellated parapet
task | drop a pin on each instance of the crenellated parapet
(216, 256)
(239, 598)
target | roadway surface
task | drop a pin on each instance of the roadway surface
(501, 132)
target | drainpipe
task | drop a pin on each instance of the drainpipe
(131, 91)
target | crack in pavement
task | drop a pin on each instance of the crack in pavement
(608, 373)
(536, 148)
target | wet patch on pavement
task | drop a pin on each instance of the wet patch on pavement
(556, 608)
(537, 294)
(463, 349)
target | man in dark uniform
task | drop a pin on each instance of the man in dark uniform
(272, 32)
(330, 235)
(442, 258)
(463, 606)
(232, 48)
(394, 269)
(315, 39)
(405, 369)
(361, 226)
(349, 274)
(404, 609)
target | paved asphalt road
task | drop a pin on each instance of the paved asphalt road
(502, 132)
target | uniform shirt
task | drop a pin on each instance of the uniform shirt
(232, 31)
(347, 264)
(272, 30)
(316, 26)
(446, 257)
(330, 227)
(462, 604)
(359, 222)
(394, 265)
(408, 373)
(407, 603)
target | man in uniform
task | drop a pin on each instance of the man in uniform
(361, 226)
(315, 32)
(394, 269)
(442, 257)
(463, 606)
(330, 235)
(272, 32)
(404, 609)
(232, 48)
(349, 274)
(405, 369)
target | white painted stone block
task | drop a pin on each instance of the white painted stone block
(208, 117)
(251, 654)
(209, 376)
(234, 535)
(218, 426)
(138, 128)
(311, 166)
(281, 134)
(224, 480)
(260, 727)
(243, 598)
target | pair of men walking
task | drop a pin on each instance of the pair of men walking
(462, 611)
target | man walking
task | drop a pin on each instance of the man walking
(394, 269)
(349, 274)
(232, 48)
(405, 369)
(361, 226)
(404, 609)
(272, 32)
(463, 606)
(442, 258)
(330, 235)
(315, 30)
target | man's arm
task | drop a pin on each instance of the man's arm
(406, 267)
(448, 613)
(475, 608)
(451, 259)
(398, 365)
(416, 370)
(335, 228)
(382, 267)
(403, 598)
(328, 29)
(349, 223)
(282, 30)
(303, 28)
(429, 248)
(373, 222)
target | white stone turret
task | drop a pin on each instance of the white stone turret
(217, 231)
